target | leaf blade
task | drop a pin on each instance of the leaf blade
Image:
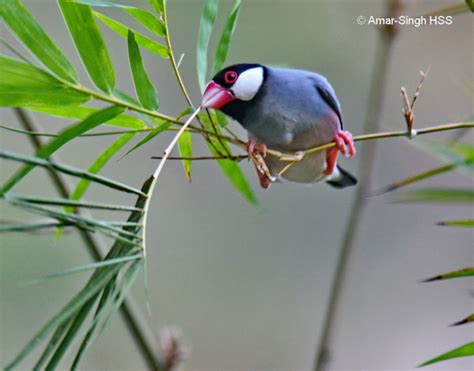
(462, 351)
(439, 195)
(208, 18)
(465, 272)
(90, 44)
(37, 40)
(185, 144)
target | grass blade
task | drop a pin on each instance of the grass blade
(99, 164)
(457, 223)
(81, 112)
(70, 171)
(439, 195)
(36, 39)
(160, 128)
(146, 92)
(52, 344)
(455, 274)
(89, 44)
(185, 144)
(29, 227)
(206, 25)
(148, 20)
(142, 40)
(65, 136)
(224, 41)
(23, 84)
(468, 319)
(462, 351)
(157, 5)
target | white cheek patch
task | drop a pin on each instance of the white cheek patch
(248, 83)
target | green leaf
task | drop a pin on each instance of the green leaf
(89, 44)
(81, 112)
(185, 143)
(455, 274)
(160, 128)
(99, 164)
(470, 4)
(22, 84)
(148, 20)
(439, 195)
(462, 351)
(224, 42)
(142, 40)
(144, 17)
(206, 25)
(146, 92)
(230, 168)
(65, 136)
(158, 5)
(468, 319)
(36, 39)
(70, 171)
(29, 227)
(458, 223)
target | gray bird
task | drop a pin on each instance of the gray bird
(286, 110)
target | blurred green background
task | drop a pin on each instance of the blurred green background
(248, 289)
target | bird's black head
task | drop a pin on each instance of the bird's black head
(240, 82)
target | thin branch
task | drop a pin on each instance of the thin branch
(377, 89)
(200, 158)
(137, 325)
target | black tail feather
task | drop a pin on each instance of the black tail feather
(344, 180)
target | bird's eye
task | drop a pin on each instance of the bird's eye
(230, 77)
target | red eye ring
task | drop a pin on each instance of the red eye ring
(230, 77)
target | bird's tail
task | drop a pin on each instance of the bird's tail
(342, 179)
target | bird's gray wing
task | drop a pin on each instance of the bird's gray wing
(331, 101)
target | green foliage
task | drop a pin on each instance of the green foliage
(463, 351)
(208, 19)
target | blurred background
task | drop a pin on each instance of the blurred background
(249, 288)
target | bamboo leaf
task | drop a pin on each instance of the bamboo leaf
(462, 351)
(36, 39)
(224, 42)
(230, 168)
(65, 136)
(148, 20)
(458, 223)
(29, 226)
(468, 319)
(206, 25)
(89, 44)
(105, 4)
(157, 5)
(81, 112)
(142, 40)
(70, 171)
(439, 195)
(160, 128)
(99, 164)
(455, 274)
(83, 296)
(185, 143)
(22, 84)
(146, 92)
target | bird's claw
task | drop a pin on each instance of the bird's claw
(257, 152)
(345, 145)
(254, 148)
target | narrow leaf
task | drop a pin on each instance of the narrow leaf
(148, 20)
(230, 168)
(29, 227)
(455, 274)
(99, 164)
(468, 319)
(458, 223)
(90, 44)
(81, 112)
(206, 25)
(36, 39)
(224, 42)
(142, 40)
(160, 128)
(185, 143)
(70, 171)
(462, 351)
(65, 136)
(157, 5)
(439, 195)
(22, 84)
(146, 92)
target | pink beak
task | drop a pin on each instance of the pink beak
(216, 96)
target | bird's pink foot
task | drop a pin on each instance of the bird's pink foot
(345, 145)
(256, 148)
(257, 151)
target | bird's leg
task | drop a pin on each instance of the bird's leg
(345, 145)
(256, 153)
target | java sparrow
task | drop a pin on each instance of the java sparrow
(287, 110)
